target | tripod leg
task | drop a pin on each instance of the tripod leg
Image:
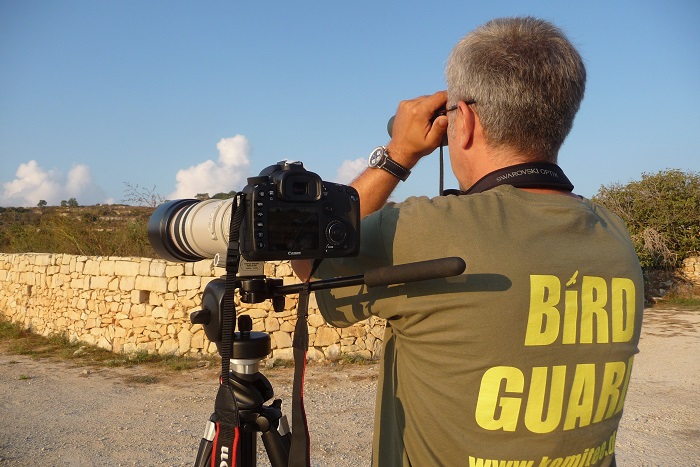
(247, 449)
(205, 445)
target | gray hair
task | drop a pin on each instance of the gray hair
(528, 81)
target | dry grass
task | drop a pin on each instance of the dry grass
(15, 340)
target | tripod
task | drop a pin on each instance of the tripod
(250, 389)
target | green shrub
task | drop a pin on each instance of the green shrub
(662, 213)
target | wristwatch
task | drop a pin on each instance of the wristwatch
(379, 159)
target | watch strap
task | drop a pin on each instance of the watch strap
(395, 169)
(391, 166)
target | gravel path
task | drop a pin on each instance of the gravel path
(57, 414)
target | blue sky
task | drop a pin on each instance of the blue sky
(193, 97)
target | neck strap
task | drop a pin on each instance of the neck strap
(527, 175)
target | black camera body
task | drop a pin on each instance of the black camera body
(292, 214)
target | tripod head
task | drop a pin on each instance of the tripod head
(247, 345)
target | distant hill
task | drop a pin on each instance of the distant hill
(102, 230)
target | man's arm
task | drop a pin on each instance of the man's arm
(414, 136)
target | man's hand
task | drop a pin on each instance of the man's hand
(414, 135)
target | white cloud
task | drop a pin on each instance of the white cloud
(228, 173)
(33, 183)
(350, 169)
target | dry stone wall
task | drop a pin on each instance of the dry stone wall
(691, 271)
(142, 304)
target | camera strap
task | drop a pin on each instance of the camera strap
(526, 175)
(300, 450)
(227, 421)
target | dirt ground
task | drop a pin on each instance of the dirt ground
(58, 414)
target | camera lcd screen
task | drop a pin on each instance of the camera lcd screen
(295, 228)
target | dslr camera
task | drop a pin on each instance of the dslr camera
(290, 213)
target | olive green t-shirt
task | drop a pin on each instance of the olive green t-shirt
(523, 360)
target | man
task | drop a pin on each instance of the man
(527, 356)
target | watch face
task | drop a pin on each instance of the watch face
(376, 158)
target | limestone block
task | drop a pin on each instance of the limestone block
(169, 347)
(326, 336)
(138, 310)
(290, 303)
(43, 260)
(269, 268)
(155, 299)
(314, 354)
(157, 269)
(192, 283)
(332, 352)
(378, 331)
(316, 320)
(159, 312)
(347, 341)
(126, 268)
(144, 266)
(198, 340)
(203, 268)
(281, 340)
(104, 343)
(219, 271)
(147, 346)
(272, 324)
(107, 267)
(256, 313)
(127, 283)
(283, 354)
(88, 339)
(155, 284)
(79, 283)
(184, 339)
(100, 282)
(284, 269)
(353, 331)
(287, 326)
(92, 267)
(174, 270)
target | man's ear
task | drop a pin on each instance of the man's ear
(469, 122)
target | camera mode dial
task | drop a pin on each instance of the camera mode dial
(336, 233)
